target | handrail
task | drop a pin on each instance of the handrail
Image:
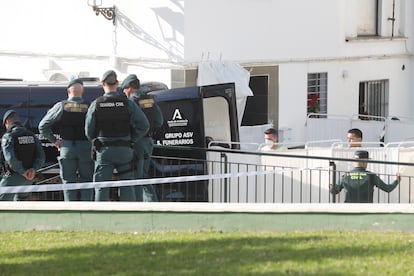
(322, 141)
(367, 117)
(47, 168)
(286, 154)
(313, 116)
(341, 144)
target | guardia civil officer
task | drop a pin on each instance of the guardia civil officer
(144, 146)
(359, 183)
(22, 155)
(115, 123)
(74, 148)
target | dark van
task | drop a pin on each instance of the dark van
(33, 100)
(191, 115)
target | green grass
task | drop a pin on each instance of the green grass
(206, 253)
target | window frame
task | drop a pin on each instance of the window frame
(373, 99)
(317, 93)
(367, 27)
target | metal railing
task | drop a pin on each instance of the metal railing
(291, 176)
(47, 175)
(279, 177)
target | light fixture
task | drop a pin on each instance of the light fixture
(107, 12)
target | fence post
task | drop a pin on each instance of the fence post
(224, 157)
(332, 169)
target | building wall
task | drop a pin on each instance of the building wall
(321, 36)
(260, 30)
(343, 89)
(66, 36)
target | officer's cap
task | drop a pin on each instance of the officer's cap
(109, 77)
(72, 82)
(361, 154)
(7, 114)
(128, 80)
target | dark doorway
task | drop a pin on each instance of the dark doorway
(256, 111)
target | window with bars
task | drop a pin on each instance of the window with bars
(317, 93)
(373, 99)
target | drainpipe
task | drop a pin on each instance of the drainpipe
(392, 19)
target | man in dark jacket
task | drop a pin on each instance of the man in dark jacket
(114, 123)
(22, 155)
(359, 183)
(143, 147)
(74, 148)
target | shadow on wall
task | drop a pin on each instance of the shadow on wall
(166, 17)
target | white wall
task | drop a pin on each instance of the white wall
(293, 97)
(278, 30)
(320, 36)
(67, 36)
(343, 98)
(343, 89)
(260, 30)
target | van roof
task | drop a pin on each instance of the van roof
(152, 85)
(19, 82)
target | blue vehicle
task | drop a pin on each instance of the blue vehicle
(33, 100)
(192, 115)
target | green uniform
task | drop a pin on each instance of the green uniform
(19, 159)
(75, 151)
(143, 151)
(115, 150)
(359, 185)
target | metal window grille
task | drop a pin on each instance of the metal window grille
(318, 93)
(373, 98)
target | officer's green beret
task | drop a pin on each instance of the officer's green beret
(72, 82)
(7, 114)
(109, 77)
(128, 80)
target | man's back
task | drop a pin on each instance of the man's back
(358, 184)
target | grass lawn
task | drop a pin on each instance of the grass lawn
(206, 253)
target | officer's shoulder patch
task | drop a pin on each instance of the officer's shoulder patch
(146, 103)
